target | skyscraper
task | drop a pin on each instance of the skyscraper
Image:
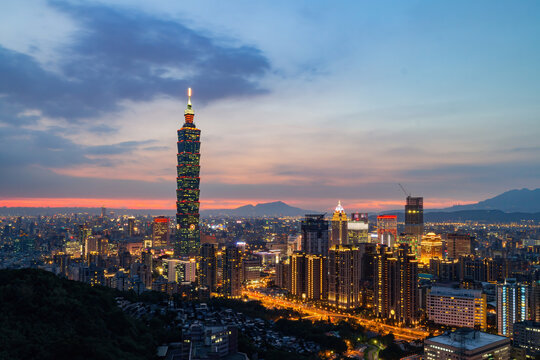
(231, 284)
(187, 193)
(344, 276)
(298, 274)
(315, 235)
(396, 284)
(358, 228)
(387, 229)
(458, 245)
(208, 266)
(512, 305)
(317, 277)
(414, 216)
(160, 232)
(339, 234)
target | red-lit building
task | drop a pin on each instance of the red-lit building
(160, 232)
(387, 229)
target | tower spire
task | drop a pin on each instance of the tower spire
(189, 113)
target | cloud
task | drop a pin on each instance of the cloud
(20, 148)
(120, 54)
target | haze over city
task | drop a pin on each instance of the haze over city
(305, 102)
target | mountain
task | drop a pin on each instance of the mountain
(271, 209)
(524, 200)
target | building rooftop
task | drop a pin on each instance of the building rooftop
(468, 339)
(461, 293)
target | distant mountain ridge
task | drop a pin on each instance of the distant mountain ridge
(276, 208)
(522, 200)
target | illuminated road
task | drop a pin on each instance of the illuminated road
(375, 326)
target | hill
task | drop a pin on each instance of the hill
(271, 209)
(45, 317)
(523, 200)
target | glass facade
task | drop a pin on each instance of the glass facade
(187, 193)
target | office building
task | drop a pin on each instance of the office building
(358, 228)
(208, 267)
(231, 283)
(512, 305)
(315, 235)
(467, 344)
(458, 245)
(339, 222)
(387, 229)
(457, 307)
(396, 284)
(431, 247)
(160, 232)
(188, 235)
(251, 269)
(414, 215)
(344, 276)
(527, 336)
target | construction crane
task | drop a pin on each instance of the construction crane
(404, 191)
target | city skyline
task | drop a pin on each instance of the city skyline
(338, 103)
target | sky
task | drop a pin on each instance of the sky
(307, 102)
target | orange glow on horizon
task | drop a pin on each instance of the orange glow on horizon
(208, 204)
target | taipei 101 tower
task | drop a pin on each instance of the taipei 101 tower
(188, 237)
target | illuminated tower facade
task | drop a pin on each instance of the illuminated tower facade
(339, 227)
(414, 223)
(387, 229)
(160, 232)
(188, 237)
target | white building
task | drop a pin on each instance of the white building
(457, 307)
(467, 344)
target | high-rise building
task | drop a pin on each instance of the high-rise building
(414, 223)
(160, 232)
(344, 276)
(458, 245)
(132, 230)
(317, 277)
(358, 228)
(208, 266)
(512, 305)
(535, 300)
(339, 234)
(231, 284)
(387, 229)
(396, 284)
(298, 277)
(315, 235)
(527, 336)
(457, 307)
(431, 247)
(103, 212)
(186, 271)
(467, 344)
(414, 216)
(251, 269)
(187, 193)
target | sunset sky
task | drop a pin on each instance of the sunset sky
(308, 102)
